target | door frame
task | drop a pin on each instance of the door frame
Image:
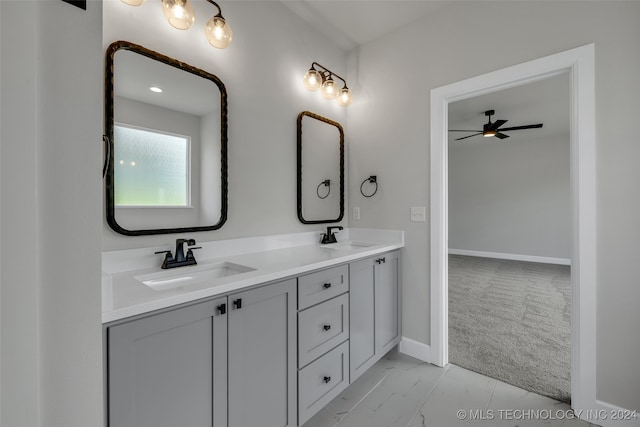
(580, 64)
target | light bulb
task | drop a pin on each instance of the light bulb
(179, 13)
(133, 2)
(312, 80)
(218, 32)
(345, 97)
(489, 133)
(329, 89)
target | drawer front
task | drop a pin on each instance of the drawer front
(322, 327)
(323, 285)
(321, 381)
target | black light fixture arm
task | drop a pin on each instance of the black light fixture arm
(325, 70)
(219, 14)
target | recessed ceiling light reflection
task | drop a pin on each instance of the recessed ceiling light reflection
(155, 89)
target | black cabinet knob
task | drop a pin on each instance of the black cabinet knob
(238, 303)
(222, 309)
(326, 285)
(326, 327)
(326, 380)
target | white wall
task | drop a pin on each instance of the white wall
(50, 187)
(511, 197)
(389, 135)
(262, 71)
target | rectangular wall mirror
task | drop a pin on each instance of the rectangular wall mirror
(166, 123)
(320, 169)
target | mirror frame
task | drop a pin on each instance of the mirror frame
(299, 169)
(109, 130)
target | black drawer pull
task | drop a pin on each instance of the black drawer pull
(381, 260)
(326, 380)
(238, 303)
(326, 327)
(222, 309)
(326, 285)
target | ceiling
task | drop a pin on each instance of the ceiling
(545, 101)
(350, 23)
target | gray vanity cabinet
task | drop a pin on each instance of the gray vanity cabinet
(374, 307)
(169, 369)
(262, 356)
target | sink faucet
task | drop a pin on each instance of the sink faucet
(329, 237)
(180, 259)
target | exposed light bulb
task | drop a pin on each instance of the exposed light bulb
(329, 89)
(312, 80)
(133, 2)
(218, 32)
(179, 13)
(345, 97)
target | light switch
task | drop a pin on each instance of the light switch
(355, 213)
(418, 214)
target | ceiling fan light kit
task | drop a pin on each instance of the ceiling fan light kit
(491, 129)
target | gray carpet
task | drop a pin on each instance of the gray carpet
(510, 320)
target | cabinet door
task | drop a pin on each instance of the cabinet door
(162, 369)
(362, 295)
(262, 356)
(387, 302)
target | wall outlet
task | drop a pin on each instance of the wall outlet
(355, 213)
(418, 214)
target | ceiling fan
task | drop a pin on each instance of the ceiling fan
(493, 128)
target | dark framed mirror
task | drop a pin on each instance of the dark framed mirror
(166, 129)
(320, 169)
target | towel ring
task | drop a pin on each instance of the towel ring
(373, 180)
(326, 183)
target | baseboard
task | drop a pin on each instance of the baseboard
(515, 257)
(607, 415)
(415, 349)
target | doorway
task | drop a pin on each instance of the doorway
(579, 63)
(510, 236)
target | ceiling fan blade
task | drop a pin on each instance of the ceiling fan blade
(501, 135)
(464, 130)
(495, 125)
(468, 136)
(539, 125)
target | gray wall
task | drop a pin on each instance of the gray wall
(511, 197)
(50, 192)
(389, 136)
(262, 71)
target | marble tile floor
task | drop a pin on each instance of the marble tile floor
(400, 391)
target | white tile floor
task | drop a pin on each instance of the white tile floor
(400, 391)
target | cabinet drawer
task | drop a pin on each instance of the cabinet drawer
(322, 327)
(321, 286)
(321, 381)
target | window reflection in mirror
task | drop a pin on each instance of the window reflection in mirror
(166, 121)
(320, 169)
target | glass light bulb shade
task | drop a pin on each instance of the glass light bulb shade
(179, 13)
(133, 2)
(345, 97)
(312, 80)
(218, 32)
(329, 89)
(489, 133)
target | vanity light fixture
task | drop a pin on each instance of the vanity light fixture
(322, 79)
(180, 15)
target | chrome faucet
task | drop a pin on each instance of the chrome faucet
(329, 237)
(180, 259)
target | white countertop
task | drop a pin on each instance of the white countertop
(270, 258)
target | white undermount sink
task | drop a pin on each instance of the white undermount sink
(348, 245)
(185, 276)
